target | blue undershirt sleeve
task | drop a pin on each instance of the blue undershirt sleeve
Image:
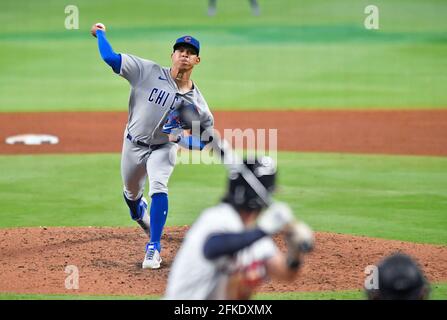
(221, 244)
(108, 55)
(191, 143)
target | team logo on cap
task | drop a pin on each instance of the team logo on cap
(187, 39)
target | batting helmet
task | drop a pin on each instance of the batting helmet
(240, 195)
(400, 278)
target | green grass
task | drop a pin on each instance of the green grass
(438, 292)
(297, 54)
(19, 296)
(78, 190)
(322, 295)
(393, 197)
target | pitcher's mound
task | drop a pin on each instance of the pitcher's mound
(35, 260)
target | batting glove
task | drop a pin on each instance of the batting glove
(275, 218)
(300, 237)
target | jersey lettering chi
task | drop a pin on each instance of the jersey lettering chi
(163, 98)
(153, 94)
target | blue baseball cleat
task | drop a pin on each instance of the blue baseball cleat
(152, 259)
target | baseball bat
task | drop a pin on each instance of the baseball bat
(230, 159)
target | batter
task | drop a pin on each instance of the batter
(229, 251)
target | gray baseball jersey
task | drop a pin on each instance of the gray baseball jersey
(193, 276)
(153, 94)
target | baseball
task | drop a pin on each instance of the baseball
(97, 26)
(100, 26)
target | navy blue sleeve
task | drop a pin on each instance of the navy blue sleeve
(108, 55)
(222, 244)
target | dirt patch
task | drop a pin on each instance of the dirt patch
(380, 132)
(33, 260)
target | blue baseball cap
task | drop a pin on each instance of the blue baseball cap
(188, 40)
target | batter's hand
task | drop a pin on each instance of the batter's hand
(300, 238)
(299, 241)
(275, 218)
(97, 26)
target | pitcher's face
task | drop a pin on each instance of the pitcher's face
(185, 58)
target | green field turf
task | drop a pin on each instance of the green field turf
(297, 54)
(393, 197)
(438, 292)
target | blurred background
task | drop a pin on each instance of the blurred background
(295, 55)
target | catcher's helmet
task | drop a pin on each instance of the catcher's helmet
(400, 278)
(240, 195)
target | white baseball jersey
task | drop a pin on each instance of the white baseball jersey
(153, 94)
(193, 276)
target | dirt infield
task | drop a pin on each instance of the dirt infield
(108, 260)
(381, 132)
(33, 260)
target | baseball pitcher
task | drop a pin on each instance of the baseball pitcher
(229, 251)
(149, 149)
